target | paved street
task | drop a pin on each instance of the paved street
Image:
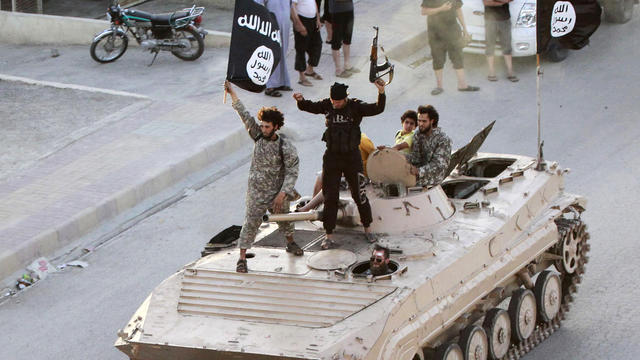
(589, 112)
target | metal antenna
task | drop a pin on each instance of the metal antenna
(541, 164)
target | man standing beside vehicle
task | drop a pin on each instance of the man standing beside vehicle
(497, 25)
(306, 34)
(272, 176)
(445, 37)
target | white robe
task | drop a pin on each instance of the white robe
(282, 10)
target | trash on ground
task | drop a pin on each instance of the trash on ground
(76, 263)
(7, 292)
(41, 268)
(24, 281)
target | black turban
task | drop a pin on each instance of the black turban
(339, 91)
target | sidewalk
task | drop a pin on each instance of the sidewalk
(158, 144)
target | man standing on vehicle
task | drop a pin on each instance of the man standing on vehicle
(272, 176)
(342, 157)
(445, 38)
(497, 24)
(431, 149)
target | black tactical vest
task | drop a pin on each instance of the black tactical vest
(343, 129)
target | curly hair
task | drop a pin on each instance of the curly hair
(431, 112)
(272, 115)
(409, 114)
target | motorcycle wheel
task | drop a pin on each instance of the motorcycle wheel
(194, 45)
(109, 46)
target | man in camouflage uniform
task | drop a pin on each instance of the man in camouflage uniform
(272, 176)
(431, 149)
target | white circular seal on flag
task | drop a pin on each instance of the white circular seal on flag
(563, 18)
(260, 65)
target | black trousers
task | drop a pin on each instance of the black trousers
(334, 165)
(310, 44)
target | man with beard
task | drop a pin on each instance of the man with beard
(379, 262)
(342, 157)
(272, 176)
(431, 149)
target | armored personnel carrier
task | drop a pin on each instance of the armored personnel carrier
(483, 266)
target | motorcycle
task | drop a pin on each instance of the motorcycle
(178, 32)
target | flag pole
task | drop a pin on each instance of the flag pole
(540, 160)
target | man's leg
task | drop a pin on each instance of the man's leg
(346, 41)
(490, 29)
(315, 46)
(508, 62)
(504, 28)
(287, 229)
(318, 185)
(357, 182)
(299, 64)
(438, 52)
(252, 220)
(313, 203)
(331, 174)
(438, 78)
(336, 61)
(346, 52)
(490, 64)
(455, 54)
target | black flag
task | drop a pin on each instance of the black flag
(570, 22)
(255, 46)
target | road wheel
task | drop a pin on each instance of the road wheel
(192, 45)
(618, 11)
(569, 246)
(498, 328)
(450, 351)
(109, 46)
(522, 311)
(474, 344)
(548, 293)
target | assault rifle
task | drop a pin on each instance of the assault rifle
(375, 71)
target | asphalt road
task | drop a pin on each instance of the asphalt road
(589, 111)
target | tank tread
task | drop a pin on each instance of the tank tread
(569, 288)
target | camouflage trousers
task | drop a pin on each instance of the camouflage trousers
(256, 208)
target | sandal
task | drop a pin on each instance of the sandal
(305, 82)
(352, 70)
(469, 88)
(284, 88)
(272, 92)
(292, 247)
(492, 78)
(437, 91)
(314, 75)
(326, 244)
(241, 266)
(344, 74)
(513, 78)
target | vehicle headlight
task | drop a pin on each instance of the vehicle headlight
(527, 16)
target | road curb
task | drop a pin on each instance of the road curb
(50, 242)
(35, 29)
(4, 77)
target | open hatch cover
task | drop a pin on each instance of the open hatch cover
(465, 153)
